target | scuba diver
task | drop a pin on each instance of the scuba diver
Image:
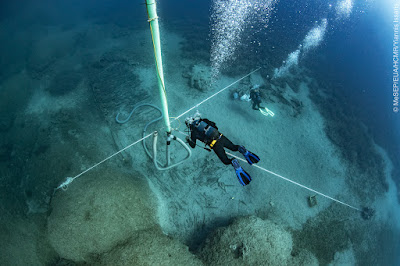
(255, 98)
(206, 131)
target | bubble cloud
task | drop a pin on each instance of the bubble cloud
(228, 21)
(313, 39)
(344, 8)
(315, 36)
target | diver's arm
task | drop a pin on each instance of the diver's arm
(191, 140)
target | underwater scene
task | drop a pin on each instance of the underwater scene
(202, 132)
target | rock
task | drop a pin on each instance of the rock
(23, 241)
(150, 247)
(98, 211)
(199, 77)
(248, 241)
(345, 257)
(305, 257)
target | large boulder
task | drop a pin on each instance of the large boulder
(248, 241)
(23, 241)
(199, 77)
(304, 257)
(98, 211)
(150, 247)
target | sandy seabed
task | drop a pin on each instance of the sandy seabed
(126, 211)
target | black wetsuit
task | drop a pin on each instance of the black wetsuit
(221, 143)
(256, 98)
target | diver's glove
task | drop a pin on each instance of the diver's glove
(250, 157)
(243, 177)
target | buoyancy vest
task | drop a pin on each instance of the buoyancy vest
(206, 132)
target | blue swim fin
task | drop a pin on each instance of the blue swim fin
(250, 157)
(243, 177)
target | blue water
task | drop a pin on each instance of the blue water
(353, 62)
(359, 59)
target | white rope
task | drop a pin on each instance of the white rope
(215, 94)
(69, 180)
(298, 184)
(289, 180)
(268, 171)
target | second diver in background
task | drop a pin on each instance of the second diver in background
(255, 97)
(207, 132)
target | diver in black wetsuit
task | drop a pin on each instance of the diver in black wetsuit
(206, 131)
(255, 97)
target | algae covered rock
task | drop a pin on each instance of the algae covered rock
(199, 77)
(305, 257)
(23, 241)
(150, 247)
(248, 241)
(98, 211)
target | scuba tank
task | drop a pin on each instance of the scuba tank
(207, 133)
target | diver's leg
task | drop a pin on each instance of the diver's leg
(228, 144)
(250, 157)
(220, 152)
(243, 177)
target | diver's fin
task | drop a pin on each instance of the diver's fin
(243, 177)
(265, 111)
(250, 157)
